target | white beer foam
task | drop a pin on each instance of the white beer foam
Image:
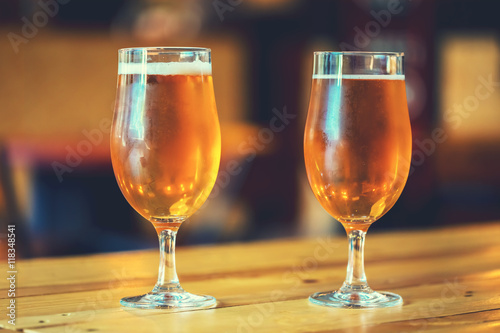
(359, 76)
(166, 68)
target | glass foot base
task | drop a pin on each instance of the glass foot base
(356, 299)
(169, 300)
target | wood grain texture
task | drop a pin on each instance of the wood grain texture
(449, 279)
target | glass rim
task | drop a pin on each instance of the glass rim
(166, 49)
(361, 53)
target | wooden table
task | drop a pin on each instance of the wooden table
(449, 279)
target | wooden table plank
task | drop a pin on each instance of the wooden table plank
(82, 293)
(483, 321)
(293, 281)
(198, 262)
(447, 289)
(295, 315)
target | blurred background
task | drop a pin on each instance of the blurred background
(58, 67)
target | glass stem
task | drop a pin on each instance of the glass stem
(167, 275)
(356, 278)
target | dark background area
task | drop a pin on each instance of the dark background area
(59, 79)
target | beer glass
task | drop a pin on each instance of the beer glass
(357, 148)
(165, 150)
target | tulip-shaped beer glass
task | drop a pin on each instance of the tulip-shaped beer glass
(357, 148)
(165, 149)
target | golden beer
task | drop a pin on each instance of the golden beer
(357, 145)
(166, 143)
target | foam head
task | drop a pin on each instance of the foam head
(358, 77)
(166, 68)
